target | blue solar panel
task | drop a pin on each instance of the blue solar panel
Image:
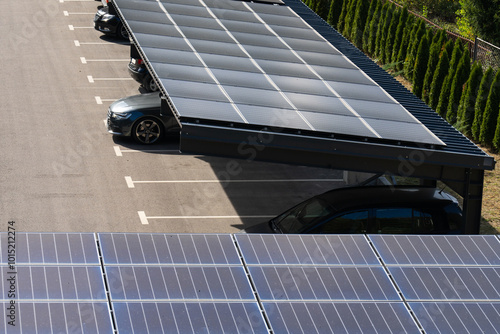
(438, 250)
(458, 317)
(317, 317)
(306, 249)
(179, 283)
(52, 248)
(189, 317)
(128, 248)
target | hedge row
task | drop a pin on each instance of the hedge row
(439, 69)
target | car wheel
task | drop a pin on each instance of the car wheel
(149, 83)
(147, 131)
(122, 31)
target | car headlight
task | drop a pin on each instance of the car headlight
(121, 115)
(108, 17)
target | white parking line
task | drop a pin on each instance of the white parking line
(92, 79)
(85, 60)
(131, 183)
(66, 13)
(78, 43)
(145, 219)
(72, 27)
(119, 151)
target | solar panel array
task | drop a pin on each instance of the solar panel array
(245, 283)
(259, 64)
(52, 283)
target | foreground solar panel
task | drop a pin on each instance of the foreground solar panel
(179, 283)
(450, 282)
(244, 64)
(54, 284)
(323, 284)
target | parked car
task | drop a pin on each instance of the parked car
(140, 117)
(107, 21)
(371, 209)
(139, 72)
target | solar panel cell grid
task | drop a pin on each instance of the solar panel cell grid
(233, 29)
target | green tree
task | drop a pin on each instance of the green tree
(484, 18)
(444, 96)
(366, 30)
(405, 41)
(384, 32)
(435, 51)
(334, 12)
(413, 48)
(322, 8)
(373, 29)
(461, 75)
(496, 139)
(391, 36)
(380, 28)
(349, 18)
(400, 29)
(465, 116)
(359, 22)
(438, 79)
(343, 13)
(420, 68)
(482, 97)
(490, 116)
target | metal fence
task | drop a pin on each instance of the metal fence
(487, 53)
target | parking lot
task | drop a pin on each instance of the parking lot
(62, 171)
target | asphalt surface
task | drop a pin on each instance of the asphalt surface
(62, 172)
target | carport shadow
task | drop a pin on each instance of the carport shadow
(113, 39)
(168, 144)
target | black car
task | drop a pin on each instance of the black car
(139, 72)
(107, 21)
(140, 116)
(372, 209)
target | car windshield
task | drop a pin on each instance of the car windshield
(303, 215)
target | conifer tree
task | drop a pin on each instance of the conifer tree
(444, 97)
(391, 35)
(359, 22)
(349, 19)
(413, 48)
(366, 30)
(343, 13)
(465, 115)
(461, 75)
(496, 138)
(322, 8)
(438, 79)
(385, 31)
(380, 28)
(482, 97)
(400, 29)
(421, 60)
(373, 29)
(334, 12)
(490, 116)
(405, 41)
(434, 53)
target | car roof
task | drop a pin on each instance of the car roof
(371, 196)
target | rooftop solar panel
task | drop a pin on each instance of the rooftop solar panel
(292, 249)
(187, 317)
(52, 248)
(246, 33)
(472, 250)
(317, 317)
(59, 317)
(125, 248)
(306, 283)
(458, 317)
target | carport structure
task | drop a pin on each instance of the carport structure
(270, 80)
